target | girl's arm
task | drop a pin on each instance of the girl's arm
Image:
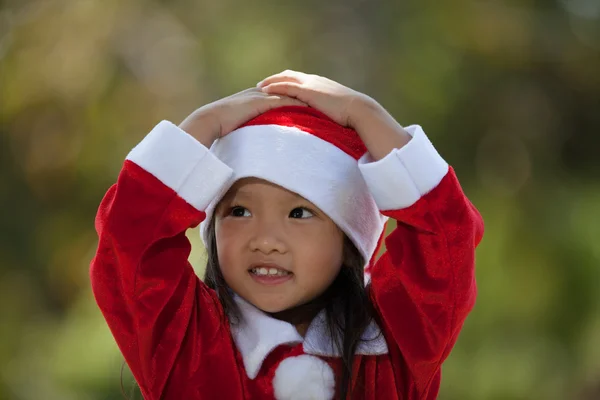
(165, 320)
(423, 286)
(141, 277)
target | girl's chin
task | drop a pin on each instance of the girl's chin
(274, 307)
(270, 307)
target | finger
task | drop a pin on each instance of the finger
(285, 76)
(251, 91)
(290, 89)
(285, 101)
(271, 102)
(277, 79)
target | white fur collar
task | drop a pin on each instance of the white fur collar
(257, 334)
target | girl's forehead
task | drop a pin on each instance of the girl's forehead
(257, 188)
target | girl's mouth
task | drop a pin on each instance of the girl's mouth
(269, 271)
(269, 275)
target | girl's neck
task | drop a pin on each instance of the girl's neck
(301, 316)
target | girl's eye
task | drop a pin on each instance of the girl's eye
(301, 212)
(238, 211)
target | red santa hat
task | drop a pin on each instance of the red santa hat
(304, 151)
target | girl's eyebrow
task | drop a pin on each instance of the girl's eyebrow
(239, 193)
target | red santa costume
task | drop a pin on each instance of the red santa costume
(169, 325)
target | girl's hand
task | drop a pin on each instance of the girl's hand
(331, 98)
(217, 119)
(379, 131)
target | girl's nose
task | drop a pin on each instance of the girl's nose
(268, 238)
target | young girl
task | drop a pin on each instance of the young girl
(301, 175)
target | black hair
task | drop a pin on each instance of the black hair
(346, 303)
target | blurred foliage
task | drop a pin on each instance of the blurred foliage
(508, 90)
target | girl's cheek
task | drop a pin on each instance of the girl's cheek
(227, 226)
(320, 231)
(231, 234)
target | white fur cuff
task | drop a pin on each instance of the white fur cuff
(182, 163)
(400, 179)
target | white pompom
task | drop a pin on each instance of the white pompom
(304, 378)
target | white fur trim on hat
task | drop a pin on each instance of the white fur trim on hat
(315, 169)
(304, 378)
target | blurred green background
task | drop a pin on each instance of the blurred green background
(509, 91)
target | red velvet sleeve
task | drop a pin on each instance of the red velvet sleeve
(164, 319)
(424, 285)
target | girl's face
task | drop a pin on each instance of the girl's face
(263, 228)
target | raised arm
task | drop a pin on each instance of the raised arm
(141, 277)
(164, 319)
(423, 286)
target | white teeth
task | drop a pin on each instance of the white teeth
(269, 272)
